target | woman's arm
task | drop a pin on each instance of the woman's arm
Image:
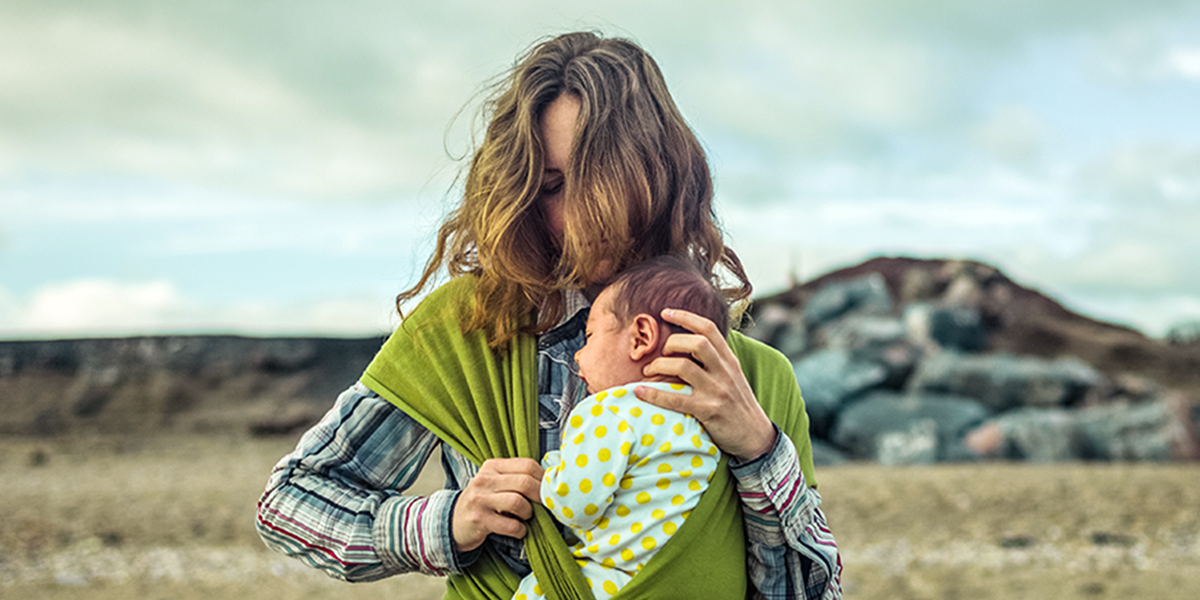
(790, 552)
(335, 502)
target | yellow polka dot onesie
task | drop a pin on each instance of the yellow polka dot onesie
(627, 476)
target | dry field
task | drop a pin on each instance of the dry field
(171, 518)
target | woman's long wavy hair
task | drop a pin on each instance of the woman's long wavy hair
(637, 186)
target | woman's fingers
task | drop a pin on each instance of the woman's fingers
(513, 466)
(691, 321)
(496, 500)
(505, 525)
(700, 327)
(696, 346)
(513, 505)
(521, 475)
(677, 366)
(721, 398)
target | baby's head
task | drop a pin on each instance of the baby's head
(624, 330)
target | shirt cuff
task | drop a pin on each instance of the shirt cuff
(770, 484)
(415, 534)
(749, 465)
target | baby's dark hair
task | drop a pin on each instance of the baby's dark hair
(668, 281)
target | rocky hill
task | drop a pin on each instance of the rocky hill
(1015, 318)
(190, 383)
(908, 360)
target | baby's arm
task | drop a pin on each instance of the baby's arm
(590, 465)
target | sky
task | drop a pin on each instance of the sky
(207, 166)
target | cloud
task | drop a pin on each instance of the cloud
(838, 130)
(89, 94)
(1137, 208)
(8, 305)
(1151, 50)
(94, 306)
(787, 82)
(997, 26)
(1185, 62)
(1012, 134)
(1135, 263)
(1147, 175)
(98, 304)
(854, 212)
(350, 103)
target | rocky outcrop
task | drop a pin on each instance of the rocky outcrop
(1002, 381)
(899, 359)
(140, 384)
(1014, 318)
(898, 428)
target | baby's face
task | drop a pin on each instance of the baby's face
(605, 360)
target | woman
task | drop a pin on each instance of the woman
(586, 167)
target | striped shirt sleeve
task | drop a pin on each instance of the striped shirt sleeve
(336, 504)
(790, 551)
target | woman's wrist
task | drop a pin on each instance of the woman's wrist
(755, 452)
(460, 559)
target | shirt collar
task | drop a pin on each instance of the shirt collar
(573, 302)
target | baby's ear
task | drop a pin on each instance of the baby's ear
(645, 336)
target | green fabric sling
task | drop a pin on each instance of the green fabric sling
(484, 404)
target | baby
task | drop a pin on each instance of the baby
(629, 473)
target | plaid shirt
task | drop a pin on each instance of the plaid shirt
(337, 503)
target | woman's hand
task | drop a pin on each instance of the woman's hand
(496, 500)
(721, 397)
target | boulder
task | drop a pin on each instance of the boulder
(1150, 431)
(958, 328)
(867, 294)
(1135, 388)
(828, 378)
(918, 445)
(863, 332)
(895, 428)
(1042, 435)
(1003, 381)
(780, 328)
(882, 340)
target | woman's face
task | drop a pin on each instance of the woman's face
(558, 133)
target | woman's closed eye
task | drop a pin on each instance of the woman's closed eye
(552, 187)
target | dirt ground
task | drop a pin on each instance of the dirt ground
(171, 518)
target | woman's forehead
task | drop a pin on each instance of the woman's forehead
(558, 130)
